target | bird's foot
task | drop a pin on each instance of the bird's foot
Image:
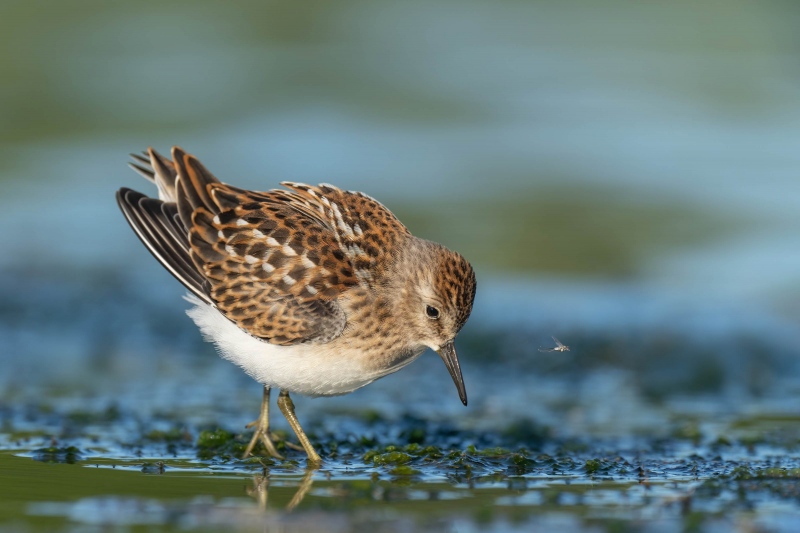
(261, 434)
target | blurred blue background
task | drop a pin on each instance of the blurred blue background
(624, 177)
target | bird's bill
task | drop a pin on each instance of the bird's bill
(448, 354)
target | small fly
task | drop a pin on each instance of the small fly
(559, 347)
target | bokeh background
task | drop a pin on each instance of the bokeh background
(623, 176)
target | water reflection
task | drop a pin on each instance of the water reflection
(260, 489)
(476, 487)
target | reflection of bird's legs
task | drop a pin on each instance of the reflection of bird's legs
(287, 408)
(302, 490)
(262, 429)
(260, 490)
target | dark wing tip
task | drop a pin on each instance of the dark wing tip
(124, 195)
(149, 221)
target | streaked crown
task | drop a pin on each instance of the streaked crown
(455, 281)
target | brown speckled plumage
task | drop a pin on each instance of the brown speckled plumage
(304, 266)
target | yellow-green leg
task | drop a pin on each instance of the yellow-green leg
(287, 408)
(262, 429)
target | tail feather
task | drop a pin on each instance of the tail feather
(184, 192)
(143, 166)
(166, 175)
(143, 171)
(157, 169)
(142, 158)
(192, 184)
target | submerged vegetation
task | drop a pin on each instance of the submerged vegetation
(430, 473)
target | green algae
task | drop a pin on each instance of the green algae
(404, 470)
(593, 466)
(174, 435)
(497, 451)
(721, 442)
(214, 439)
(433, 479)
(85, 418)
(389, 458)
(55, 454)
(689, 430)
(744, 473)
(215, 443)
(449, 467)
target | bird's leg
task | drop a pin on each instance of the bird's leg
(262, 429)
(287, 408)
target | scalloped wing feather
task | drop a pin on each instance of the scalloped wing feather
(275, 263)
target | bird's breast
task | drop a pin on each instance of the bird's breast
(337, 367)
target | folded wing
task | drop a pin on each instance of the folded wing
(275, 263)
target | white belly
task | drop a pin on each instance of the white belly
(314, 370)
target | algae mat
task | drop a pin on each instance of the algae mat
(188, 480)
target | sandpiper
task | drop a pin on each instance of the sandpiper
(309, 289)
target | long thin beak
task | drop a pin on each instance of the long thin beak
(448, 354)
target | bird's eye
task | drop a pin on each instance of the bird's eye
(432, 312)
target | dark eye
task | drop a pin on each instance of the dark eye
(432, 312)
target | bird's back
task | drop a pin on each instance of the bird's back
(274, 263)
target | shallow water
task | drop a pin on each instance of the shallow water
(650, 421)
(426, 479)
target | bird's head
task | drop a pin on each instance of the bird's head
(438, 301)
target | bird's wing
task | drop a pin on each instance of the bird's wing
(276, 262)
(159, 227)
(279, 260)
(364, 230)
